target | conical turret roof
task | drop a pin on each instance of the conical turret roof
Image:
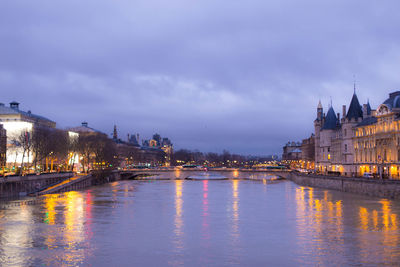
(355, 110)
(330, 120)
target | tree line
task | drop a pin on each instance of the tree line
(48, 149)
(224, 159)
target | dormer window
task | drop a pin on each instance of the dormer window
(382, 110)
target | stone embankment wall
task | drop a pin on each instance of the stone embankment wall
(370, 187)
(16, 186)
(86, 181)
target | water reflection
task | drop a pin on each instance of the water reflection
(178, 223)
(205, 224)
(370, 219)
(235, 234)
(235, 173)
(16, 237)
(319, 226)
(202, 223)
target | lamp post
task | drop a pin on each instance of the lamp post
(380, 166)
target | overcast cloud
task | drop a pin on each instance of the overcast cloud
(211, 75)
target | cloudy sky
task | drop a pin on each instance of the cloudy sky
(245, 76)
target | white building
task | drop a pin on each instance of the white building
(19, 123)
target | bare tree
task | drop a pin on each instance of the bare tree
(25, 143)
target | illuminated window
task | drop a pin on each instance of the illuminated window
(329, 156)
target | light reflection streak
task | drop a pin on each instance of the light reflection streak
(178, 225)
(77, 220)
(364, 218)
(205, 226)
(177, 173)
(178, 214)
(50, 215)
(74, 227)
(50, 203)
(235, 209)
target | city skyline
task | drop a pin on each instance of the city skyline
(209, 76)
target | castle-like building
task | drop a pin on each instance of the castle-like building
(361, 141)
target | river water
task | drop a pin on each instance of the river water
(201, 223)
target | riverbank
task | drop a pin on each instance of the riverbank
(364, 186)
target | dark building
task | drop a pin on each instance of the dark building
(292, 151)
(308, 149)
(3, 146)
(133, 140)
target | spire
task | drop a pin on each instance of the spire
(369, 110)
(354, 77)
(115, 134)
(319, 105)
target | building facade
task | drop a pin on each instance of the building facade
(308, 153)
(291, 151)
(362, 141)
(377, 140)
(19, 126)
(334, 149)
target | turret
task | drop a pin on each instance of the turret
(320, 111)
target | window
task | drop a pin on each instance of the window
(329, 156)
(345, 148)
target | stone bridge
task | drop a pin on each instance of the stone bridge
(215, 174)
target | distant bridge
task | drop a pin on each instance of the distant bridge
(215, 174)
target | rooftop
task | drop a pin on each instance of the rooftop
(355, 110)
(14, 109)
(84, 128)
(331, 121)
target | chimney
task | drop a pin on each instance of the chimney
(128, 137)
(338, 116)
(137, 138)
(365, 111)
(14, 105)
(344, 111)
(84, 124)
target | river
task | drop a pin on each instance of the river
(201, 223)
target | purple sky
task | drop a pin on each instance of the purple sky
(211, 75)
